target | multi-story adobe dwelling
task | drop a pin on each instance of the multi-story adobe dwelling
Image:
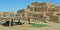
(41, 12)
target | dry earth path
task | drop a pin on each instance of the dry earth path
(52, 26)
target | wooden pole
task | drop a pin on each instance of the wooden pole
(10, 22)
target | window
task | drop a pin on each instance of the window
(30, 9)
(35, 9)
(38, 9)
(51, 10)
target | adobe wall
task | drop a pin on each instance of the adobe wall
(54, 19)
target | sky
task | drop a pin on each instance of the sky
(15, 5)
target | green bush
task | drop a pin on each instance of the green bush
(38, 25)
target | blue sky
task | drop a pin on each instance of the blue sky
(15, 5)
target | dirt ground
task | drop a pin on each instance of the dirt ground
(52, 26)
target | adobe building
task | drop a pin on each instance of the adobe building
(41, 11)
(9, 17)
(6, 14)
